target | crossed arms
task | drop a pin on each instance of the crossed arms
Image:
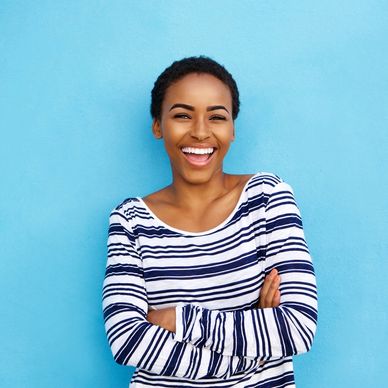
(193, 342)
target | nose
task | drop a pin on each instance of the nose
(200, 130)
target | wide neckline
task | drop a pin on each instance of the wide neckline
(208, 231)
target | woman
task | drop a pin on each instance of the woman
(209, 281)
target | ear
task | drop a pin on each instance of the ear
(233, 136)
(157, 129)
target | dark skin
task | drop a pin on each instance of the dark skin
(197, 113)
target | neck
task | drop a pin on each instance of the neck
(191, 195)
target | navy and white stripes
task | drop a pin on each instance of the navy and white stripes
(214, 279)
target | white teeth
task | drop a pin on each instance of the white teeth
(198, 151)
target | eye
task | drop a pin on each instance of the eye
(182, 116)
(217, 117)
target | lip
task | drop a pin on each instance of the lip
(200, 163)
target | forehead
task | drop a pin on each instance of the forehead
(194, 89)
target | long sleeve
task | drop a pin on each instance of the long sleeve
(133, 340)
(272, 332)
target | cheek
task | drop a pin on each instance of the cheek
(173, 135)
(226, 135)
(171, 144)
(225, 149)
(170, 141)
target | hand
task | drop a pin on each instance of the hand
(164, 318)
(270, 294)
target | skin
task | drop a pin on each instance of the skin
(197, 112)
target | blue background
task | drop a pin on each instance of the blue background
(75, 81)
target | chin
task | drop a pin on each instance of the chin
(198, 177)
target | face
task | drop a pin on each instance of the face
(197, 126)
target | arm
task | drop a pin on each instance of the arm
(133, 340)
(270, 332)
(269, 297)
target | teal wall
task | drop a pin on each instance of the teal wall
(75, 81)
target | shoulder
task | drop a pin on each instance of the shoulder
(268, 185)
(254, 180)
(127, 208)
(265, 181)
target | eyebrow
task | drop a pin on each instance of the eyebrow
(189, 107)
(215, 107)
(184, 106)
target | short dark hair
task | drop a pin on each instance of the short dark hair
(185, 66)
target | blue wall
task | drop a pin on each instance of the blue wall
(75, 79)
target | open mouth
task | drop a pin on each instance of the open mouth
(198, 156)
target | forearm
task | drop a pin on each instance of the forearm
(258, 333)
(269, 297)
(282, 326)
(151, 347)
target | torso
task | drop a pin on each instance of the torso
(206, 215)
(219, 270)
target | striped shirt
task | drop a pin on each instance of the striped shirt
(213, 278)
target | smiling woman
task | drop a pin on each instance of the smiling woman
(195, 117)
(209, 281)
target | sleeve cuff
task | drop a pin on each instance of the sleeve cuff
(179, 322)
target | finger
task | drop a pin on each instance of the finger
(276, 299)
(265, 286)
(271, 291)
(265, 299)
